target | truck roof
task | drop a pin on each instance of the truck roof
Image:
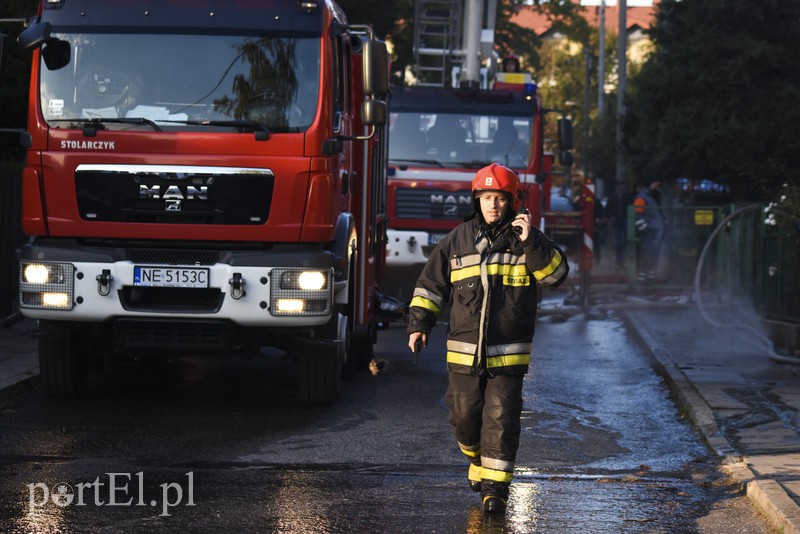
(241, 15)
(464, 101)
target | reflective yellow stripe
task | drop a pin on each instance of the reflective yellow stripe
(503, 269)
(469, 452)
(551, 268)
(428, 304)
(506, 269)
(506, 360)
(457, 357)
(474, 472)
(497, 476)
(467, 272)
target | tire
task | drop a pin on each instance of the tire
(320, 375)
(362, 349)
(63, 358)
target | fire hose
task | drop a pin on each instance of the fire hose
(698, 296)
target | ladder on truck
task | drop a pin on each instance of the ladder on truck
(437, 37)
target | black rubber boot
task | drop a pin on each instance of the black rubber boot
(494, 505)
(494, 496)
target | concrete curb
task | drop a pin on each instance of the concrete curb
(23, 381)
(776, 504)
(18, 357)
(779, 508)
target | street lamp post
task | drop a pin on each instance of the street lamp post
(622, 47)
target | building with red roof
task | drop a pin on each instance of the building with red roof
(639, 18)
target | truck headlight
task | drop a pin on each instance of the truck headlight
(46, 285)
(311, 280)
(300, 292)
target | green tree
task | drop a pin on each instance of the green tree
(391, 20)
(718, 98)
(14, 76)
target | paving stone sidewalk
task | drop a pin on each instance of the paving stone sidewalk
(745, 404)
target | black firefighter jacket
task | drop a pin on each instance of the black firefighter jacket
(494, 296)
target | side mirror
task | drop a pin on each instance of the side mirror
(374, 112)
(376, 68)
(565, 158)
(56, 54)
(35, 35)
(564, 134)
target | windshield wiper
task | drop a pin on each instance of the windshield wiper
(90, 126)
(432, 162)
(474, 164)
(96, 123)
(260, 130)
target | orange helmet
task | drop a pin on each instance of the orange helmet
(496, 177)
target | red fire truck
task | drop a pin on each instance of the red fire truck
(203, 177)
(439, 138)
(450, 124)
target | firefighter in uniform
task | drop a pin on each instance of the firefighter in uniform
(491, 265)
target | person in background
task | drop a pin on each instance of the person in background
(511, 63)
(650, 228)
(447, 138)
(617, 212)
(488, 269)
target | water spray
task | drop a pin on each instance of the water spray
(698, 298)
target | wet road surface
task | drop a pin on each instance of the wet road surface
(207, 445)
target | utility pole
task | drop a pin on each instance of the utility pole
(470, 73)
(587, 101)
(622, 47)
(601, 61)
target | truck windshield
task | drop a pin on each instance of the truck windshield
(458, 140)
(184, 82)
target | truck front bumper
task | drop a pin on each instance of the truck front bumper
(405, 248)
(68, 281)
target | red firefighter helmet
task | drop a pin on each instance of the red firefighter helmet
(496, 177)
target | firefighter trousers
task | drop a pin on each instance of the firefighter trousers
(485, 416)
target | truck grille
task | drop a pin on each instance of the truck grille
(172, 194)
(173, 256)
(413, 203)
(171, 299)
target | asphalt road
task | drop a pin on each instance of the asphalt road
(223, 444)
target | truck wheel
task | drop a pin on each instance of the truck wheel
(63, 362)
(320, 375)
(362, 349)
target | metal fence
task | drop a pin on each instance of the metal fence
(746, 258)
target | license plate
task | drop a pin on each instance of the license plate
(170, 277)
(433, 239)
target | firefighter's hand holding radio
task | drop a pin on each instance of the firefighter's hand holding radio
(522, 224)
(417, 341)
(487, 269)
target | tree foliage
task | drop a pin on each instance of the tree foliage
(510, 38)
(14, 76)
(718, 98)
